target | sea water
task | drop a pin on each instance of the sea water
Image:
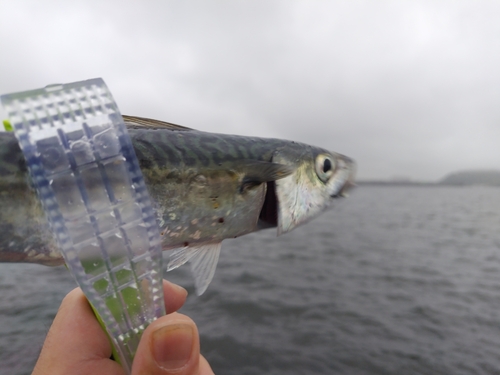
(393, 280)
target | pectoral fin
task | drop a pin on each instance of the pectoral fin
(203, 260)
(265, 171)
(256, 172)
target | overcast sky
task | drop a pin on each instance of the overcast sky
(406, 88)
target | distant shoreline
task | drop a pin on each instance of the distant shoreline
(460, 178)
(419, 184)
(395, 183)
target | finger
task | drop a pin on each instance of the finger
(170, 345)
(175, 296)
(205, 368)
(76, 343)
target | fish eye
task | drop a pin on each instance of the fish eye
(325, 166)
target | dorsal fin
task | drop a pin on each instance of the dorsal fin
(133, 122)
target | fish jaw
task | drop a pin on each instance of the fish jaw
(303, 195)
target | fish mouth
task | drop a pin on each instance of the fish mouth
(349, 185)
(344, 189)
(347, 173)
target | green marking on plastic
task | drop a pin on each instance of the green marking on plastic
(132, 299)
(123, 276)
(7, 125)
(114, 352)
(115, 308)
(93, 265)
(101, 286)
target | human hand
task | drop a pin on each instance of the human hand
(76, 343)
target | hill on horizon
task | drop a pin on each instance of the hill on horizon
(472, 177)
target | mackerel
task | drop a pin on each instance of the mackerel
(205, 187)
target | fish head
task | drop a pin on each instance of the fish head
(318, 178)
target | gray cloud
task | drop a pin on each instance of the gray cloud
(405, 88)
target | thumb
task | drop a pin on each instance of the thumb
(169, 345)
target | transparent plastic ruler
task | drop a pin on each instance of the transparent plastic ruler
(84, 167)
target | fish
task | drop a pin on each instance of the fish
(204, 187)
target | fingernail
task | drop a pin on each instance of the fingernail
(172, 346)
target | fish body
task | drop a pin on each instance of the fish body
(25, 235)
(205, 187)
